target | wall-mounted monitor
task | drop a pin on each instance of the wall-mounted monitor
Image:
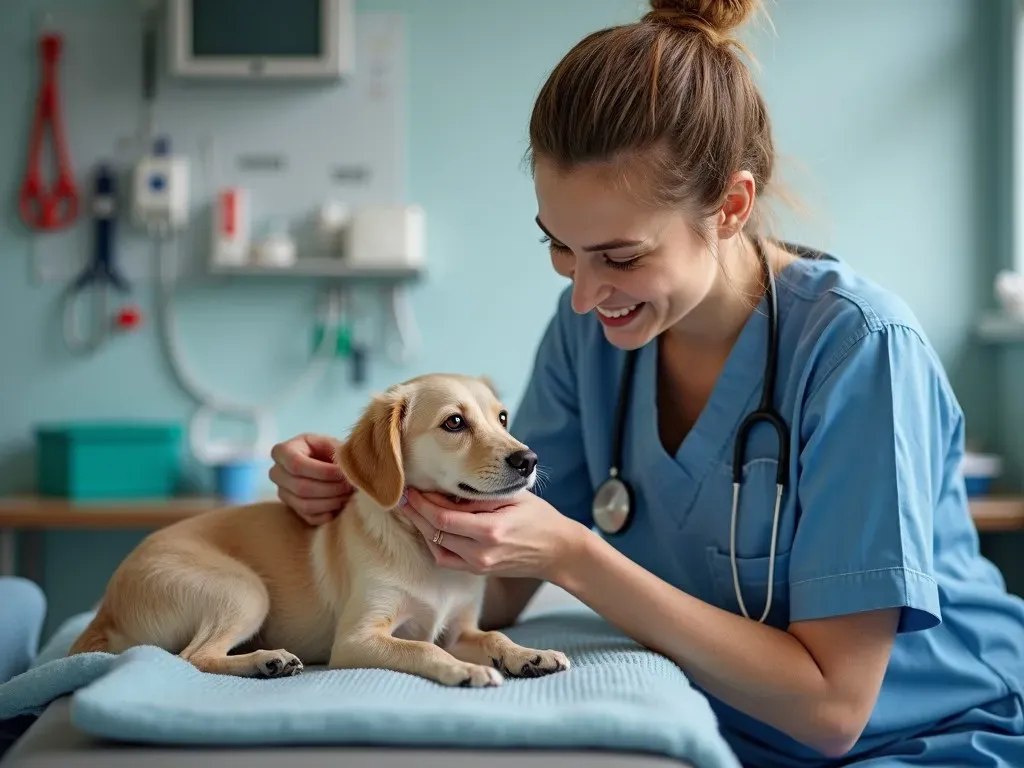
(261, 39)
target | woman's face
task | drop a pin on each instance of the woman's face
(640, 270)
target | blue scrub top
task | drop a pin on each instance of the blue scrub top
(875, 513)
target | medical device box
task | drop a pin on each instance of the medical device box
(160, 190)
(108, 460)
(385, 236)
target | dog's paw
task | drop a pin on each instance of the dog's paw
(526, 662)
(279, 663)
(471, 676)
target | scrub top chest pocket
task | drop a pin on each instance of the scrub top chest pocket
(754, 517)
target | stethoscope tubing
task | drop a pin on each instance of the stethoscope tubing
(765, 412)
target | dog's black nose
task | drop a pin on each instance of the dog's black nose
(522, 462)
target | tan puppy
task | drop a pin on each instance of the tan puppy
(360, 591)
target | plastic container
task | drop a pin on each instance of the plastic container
(236, 481)
(276, 248)
(978, 471)
(108, 460)
(231, 228)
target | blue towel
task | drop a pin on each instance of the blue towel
(22, 613)
(617, 696)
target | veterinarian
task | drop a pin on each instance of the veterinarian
(858, 624)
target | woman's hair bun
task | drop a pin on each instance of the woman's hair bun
(720, 15)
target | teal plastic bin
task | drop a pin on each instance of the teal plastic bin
(108, 460)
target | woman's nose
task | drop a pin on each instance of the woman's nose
(585, 289)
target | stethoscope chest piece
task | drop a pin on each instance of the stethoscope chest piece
(613, 505)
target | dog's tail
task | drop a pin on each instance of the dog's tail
(94, 638)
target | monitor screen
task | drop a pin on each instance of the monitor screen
(257, 28)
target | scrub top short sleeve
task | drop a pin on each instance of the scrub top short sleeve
(548, 419)
(874, 443)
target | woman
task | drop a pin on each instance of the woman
(886, 638)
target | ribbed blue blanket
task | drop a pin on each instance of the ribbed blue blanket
(617, 696)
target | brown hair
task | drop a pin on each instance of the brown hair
(669, 91)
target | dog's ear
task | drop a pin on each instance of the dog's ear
(489, 383)
(371, 458)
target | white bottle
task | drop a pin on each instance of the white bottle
(276, 248)
(332, 219)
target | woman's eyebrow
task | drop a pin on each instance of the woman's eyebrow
(611, 245)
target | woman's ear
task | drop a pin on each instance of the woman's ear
(371, 458)
(738, 205)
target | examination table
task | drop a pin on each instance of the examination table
(52, 742)
(58, 738)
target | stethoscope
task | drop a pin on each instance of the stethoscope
(613, 503)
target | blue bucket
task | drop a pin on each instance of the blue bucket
(236, 481)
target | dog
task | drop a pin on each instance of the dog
(254, 591)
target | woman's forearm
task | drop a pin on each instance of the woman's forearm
(762, 671)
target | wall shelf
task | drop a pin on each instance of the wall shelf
(999, 328)
(327, 268)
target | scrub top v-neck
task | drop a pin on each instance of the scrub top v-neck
(685, 491)
(875, 513)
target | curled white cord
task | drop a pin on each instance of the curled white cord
(210, 403)
(409, 340)
(74, 339)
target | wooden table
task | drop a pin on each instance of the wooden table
(994, 514)
(991, 514)
(35, 513)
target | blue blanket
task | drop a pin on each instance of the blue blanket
(617, 696)
(22, 613)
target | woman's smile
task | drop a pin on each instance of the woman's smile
(620, 316)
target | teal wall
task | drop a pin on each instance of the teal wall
(890, 116)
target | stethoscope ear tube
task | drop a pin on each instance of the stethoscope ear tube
(625, 390)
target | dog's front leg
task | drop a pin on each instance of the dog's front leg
(469, 643)
(363, 640)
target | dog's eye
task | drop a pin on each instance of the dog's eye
(454, 423)
(503, 418)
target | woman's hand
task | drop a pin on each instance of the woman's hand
(307, 478)
(520, 537)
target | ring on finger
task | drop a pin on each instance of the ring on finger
(438, 535)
